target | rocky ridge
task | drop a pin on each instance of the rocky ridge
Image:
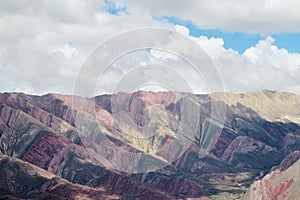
(57, 135)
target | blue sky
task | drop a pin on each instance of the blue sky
(289, 41)
(112, 8)
(239, 41)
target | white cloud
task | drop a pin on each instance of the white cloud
(213, 46)
(251, 16)
(263, 66)
(35, 38)
(266, 53)
(44, 43)
(162, 55)
(67, 50)
(182, 29)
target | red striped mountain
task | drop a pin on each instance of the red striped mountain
(58, 133)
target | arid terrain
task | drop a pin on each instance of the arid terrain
(148, 145)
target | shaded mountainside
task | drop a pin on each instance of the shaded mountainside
(75, 142)
(281, 183)
(20, 179)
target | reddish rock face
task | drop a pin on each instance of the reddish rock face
(279, 184)
(60, 133)
(43, 149)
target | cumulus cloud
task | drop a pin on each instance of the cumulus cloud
(263, 66)
(43, 44)
(251, 16)
(266, 53)
(182, 29)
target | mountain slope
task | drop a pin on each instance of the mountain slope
(270, 105)
(148, 145)
(282, 183)
(25, 180)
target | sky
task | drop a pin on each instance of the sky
(254, 44)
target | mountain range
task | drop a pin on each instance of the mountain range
(150, 145)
